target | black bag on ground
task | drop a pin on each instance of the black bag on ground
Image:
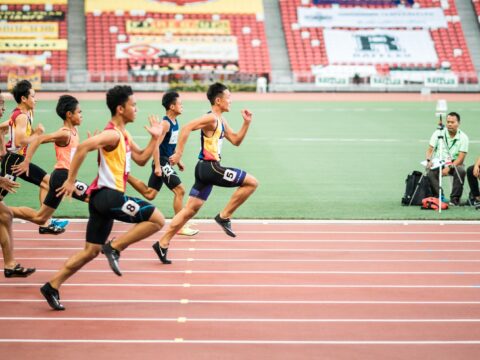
(417, 187)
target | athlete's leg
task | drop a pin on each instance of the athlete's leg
(140, 231)
(75, 263)
(179, 193)
(146, 191)
(192, 206)
(6, 236)
(39, 217)
(242, 193)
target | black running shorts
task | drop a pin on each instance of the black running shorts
(209, 173)
(57, 178)
(35, 173)
(169, 176)
(107, 205)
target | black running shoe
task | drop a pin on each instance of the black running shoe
(18, 271)
(161, 253)
(51, 229)
(112, 255)
(226, 225)
(52, 296)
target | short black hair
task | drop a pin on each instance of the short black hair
(21, 88)
(65, 104)
(118, 96)
(453, 113)
(169, 98)
(214, 91)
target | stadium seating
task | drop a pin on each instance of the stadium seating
(107, 29)
(476, 5)
(56, 60)
(306, 45)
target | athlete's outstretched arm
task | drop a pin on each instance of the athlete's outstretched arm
(237, 138)
(59, 136)
(155, 130)
(206, 122)
(106, 139)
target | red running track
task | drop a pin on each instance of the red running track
(292, 290)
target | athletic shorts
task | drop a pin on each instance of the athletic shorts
(35, 173)
(169, 176)
(209, 173)
(106, 205)
(57, 178)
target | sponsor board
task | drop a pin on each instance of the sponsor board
(184, 27)
(331, 81)
(385, 81)
(441, 80)
(35, 15)
(32, 44)
(27, 30)
(12, 59)
(34, 78)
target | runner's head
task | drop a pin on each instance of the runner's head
(219, 95)
(171, 102)
(121, 102)
(23, 93)
(68, 108)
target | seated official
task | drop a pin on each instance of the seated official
(453, 144)
(473, 174)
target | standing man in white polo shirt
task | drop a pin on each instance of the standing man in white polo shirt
(455, 148)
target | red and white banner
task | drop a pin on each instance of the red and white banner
(380, 46)
(219, 48)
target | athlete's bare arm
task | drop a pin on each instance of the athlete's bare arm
(206, 123)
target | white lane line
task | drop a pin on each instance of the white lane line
(289, 250)
(279, 260)
(276, 272)
(399, 241)
(259, 302)
(238, 320)
(245, 342)
(306, 286)
(296, 232)
(314, 222)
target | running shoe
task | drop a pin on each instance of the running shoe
(187, 231)
(52, 296)
(226, 225)
(113, 255)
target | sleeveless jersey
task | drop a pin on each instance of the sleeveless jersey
(211, 147)
(11, 147)
(65, 153)
(169, 143)
(113, 166)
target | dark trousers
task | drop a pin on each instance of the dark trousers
(473, 182)
(458, 180)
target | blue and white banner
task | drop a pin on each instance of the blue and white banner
(380, 46)
(371, 18)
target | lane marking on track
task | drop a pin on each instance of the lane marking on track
(313, 286)
(289, 250)
(366, 241)
(281, 260)
(254, 302)
(238, 320)
(296, 232)
(245, 342)
(277, 272)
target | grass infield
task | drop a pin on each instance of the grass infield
(314, 160)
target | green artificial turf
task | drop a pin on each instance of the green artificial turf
(313, 160)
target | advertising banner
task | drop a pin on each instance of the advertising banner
(371, 18)
(184, 27)
(32, 44)
(332, 81)
(35, 78)
(183, 47)
(26, 30)
(35, 15)
(15, 60)
(380, 46)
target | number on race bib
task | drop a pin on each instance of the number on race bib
(229, 175)
(80, 188)
(167, 170)
(130, 208)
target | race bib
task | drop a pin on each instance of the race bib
(128, 162)
(229, 175)
(167, 170)
(130, 208)
(80, 188)
(174, 137)
(10, 177)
